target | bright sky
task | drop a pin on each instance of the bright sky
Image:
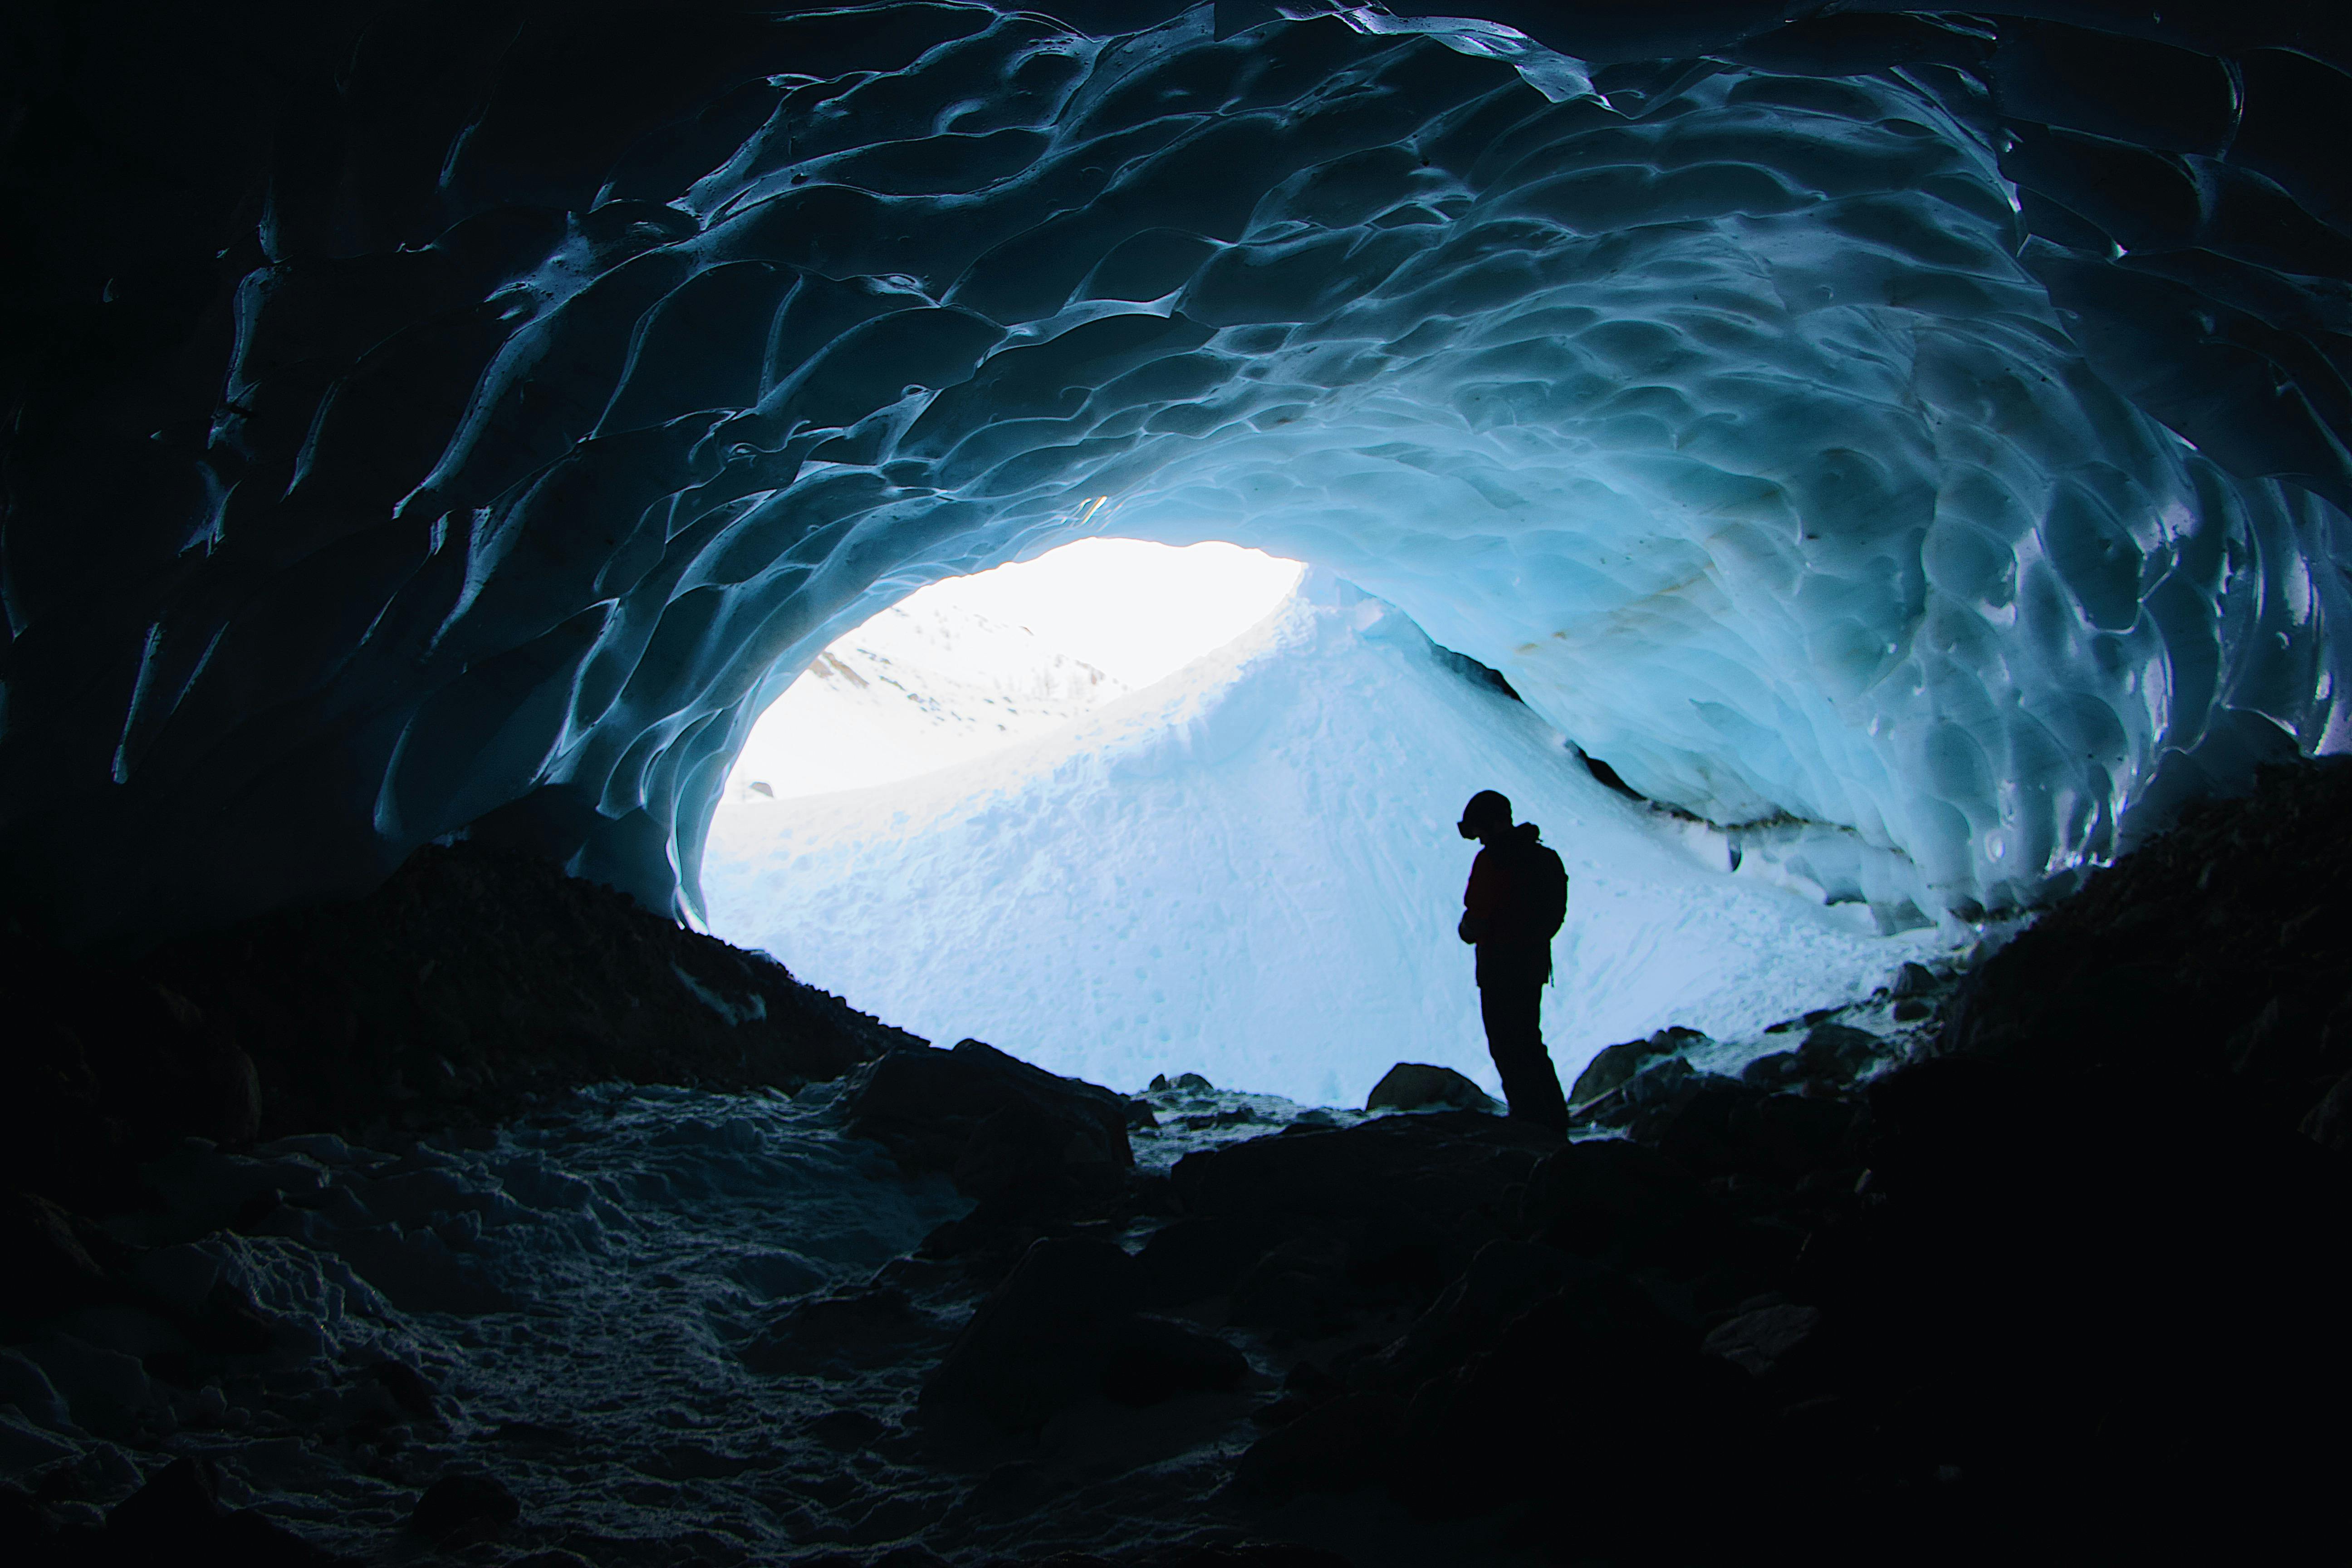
(1133, 610)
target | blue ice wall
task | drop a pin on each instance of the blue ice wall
(1886, 430)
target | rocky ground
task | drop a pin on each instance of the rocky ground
(472, 987)
(2040, 1259)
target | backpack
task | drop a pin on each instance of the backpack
(1547, 890)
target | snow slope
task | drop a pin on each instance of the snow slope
(920, 687)
(1250, 870)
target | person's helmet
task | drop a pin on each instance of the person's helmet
(1488, 811)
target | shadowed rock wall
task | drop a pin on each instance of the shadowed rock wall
(480, 411)
(469, 989)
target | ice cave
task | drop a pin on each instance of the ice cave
(1871, 481)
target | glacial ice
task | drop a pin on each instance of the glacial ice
(1250, 870)
(1768, 417)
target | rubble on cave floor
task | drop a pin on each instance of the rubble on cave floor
(1998, 1246)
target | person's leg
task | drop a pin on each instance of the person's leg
(1513, 1019)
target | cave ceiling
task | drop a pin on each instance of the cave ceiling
(426, 418)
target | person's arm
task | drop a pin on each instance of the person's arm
(1478, 899)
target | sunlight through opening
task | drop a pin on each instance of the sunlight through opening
(966, 667)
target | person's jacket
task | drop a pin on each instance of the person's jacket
(1503, 908)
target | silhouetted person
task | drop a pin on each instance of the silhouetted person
(1516, 899)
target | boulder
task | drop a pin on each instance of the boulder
(1617, 1064)
(1723, 1126)
(1420, 1174)
(998, 1125)
(1064, 1327)
(1295, 1288)
(1196, 1257)
(1791, 1134)
(1838, 1051)
(1610, 1198)
(1505, 1280)
(1418, 1086)
(1152, 1360)
(842, 1334)
(1703, 1130)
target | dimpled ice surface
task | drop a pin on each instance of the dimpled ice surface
(1731, 413)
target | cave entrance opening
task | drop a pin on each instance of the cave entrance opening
(969, 666)
(1127, 810)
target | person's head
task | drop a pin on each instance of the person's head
(1487, 815)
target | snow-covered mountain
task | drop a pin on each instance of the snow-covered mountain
(1250, 869)
(922, 685)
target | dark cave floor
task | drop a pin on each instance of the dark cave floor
(2056, 1270)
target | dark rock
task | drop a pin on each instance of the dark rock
(179, 1517)
(1756, 1341)
(1245, 1554)
(1838, 1050)
(184, 1495)
(1613, 1198)
(2165, 962)
(2329, 1122)
(845, 1431)
(1793, 1135)
(1769, 1071)
(1617, 1064)
(1659, 1086)
(908, 1554)
(1063, 1327)
(1700, 1131)
(1152, 1360)
(1719, 1126)
(1414, 1085)
(467, 987)
(847, 1330)
(1296, 1288)
(1915, 980)
(999, 1125)
(45, 1268)
(1911, 1009)
(1503, 1281)
(463, 1507)
(1189, 1258)
(1341, 1446)
(555, 1557)
(1591, 1385)
(2279, 1042)
(1424, 1175)
(408, 1388)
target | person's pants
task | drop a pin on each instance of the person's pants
(1514, 1015)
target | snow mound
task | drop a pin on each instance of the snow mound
(917, 688)
(1250, 870)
